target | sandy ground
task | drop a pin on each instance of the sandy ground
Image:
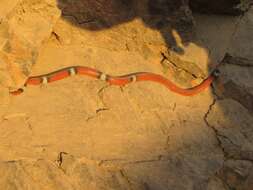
(81, 133)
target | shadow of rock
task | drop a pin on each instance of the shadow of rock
(230, 7)
(161, 15)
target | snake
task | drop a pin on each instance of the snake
(121, 80)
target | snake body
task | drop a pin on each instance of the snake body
(117, 80)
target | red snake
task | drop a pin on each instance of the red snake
(117, 80)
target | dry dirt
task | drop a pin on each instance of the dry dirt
(80, 133)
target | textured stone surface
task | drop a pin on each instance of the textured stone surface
(231, 118)
(24, 26)
(237, 174)
(240, 47)
(81, 133)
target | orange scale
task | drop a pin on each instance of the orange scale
(33, 81)
(59, 76)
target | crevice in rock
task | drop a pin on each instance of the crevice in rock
(214, 91)
(234, 151)
(101, 109)
(123, 162)
(217, 135)
(98, 111)
(59, 160)
(238, 61)
(103, 162)
(124, 175)
(165, 61)
(104, 107)
(56, 36)
(145, 161)
(28, 123)
(100, 94)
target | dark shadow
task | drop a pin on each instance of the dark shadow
(229, 7)
(156, 14)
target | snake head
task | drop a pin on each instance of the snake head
(216, 73)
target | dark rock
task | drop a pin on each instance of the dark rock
(231, 7)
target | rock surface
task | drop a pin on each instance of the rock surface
(81, 133)
(24, 26)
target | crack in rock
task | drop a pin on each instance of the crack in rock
(175, 65)
(239, 61)
(98, 111)
(124, 162)
(124, 176)
(217, 135)
(230, 149)
(100, 94)
(59, 160)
